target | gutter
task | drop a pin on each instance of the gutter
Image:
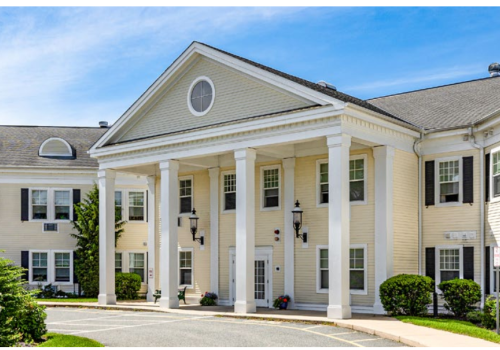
(416, 149)
(473, 143)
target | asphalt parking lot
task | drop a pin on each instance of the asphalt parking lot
(126, 328)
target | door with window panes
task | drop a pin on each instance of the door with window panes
(261, 280)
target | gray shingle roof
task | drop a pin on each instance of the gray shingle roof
(19, 145)
(316, 87)
(443, 107)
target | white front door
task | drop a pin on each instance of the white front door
(262, 280)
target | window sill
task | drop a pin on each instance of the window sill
(232, 211)
(449, 204)
(358, 292)
(182, 286)
(322, 291)
(325, 205)
(182, 215)
(270, 209)
(359, 202)
(51, 221)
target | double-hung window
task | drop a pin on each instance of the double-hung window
(51, 204)
(358, 274)
(137, 264)
(450, 263)
(271, 187)
(229, 187)
(186, 267)
(495, 173)
(62, 267)
(357, 180)
(118, 262)
(40, 267)
(136, 206)
(186, 194)
(449, 181)
(119, 204)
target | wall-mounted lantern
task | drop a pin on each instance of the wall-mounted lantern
(193, 223)
(297, 222)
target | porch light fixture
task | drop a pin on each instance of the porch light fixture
(193, 223)
(297, 222)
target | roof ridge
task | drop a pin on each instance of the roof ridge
(430, 88)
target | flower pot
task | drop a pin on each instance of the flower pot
(283, 306)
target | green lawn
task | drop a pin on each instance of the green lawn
(70, 300)
(454, 326)
(63, 340)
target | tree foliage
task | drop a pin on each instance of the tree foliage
(127, 286)
(21, 318)
(87, 241)
(460, 296)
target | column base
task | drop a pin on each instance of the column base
(245, 307)
(378, 309)
(169, 303)
(106, 299)
(149, 296)
(339, 312)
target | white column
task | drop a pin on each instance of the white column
(151, 205)
(245, 231)
(106, 180)
(384, 231)
(214, 229)
(289, 233)
(169, 211)
(338, 226)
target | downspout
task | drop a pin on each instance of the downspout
(416, 149)
(472, 141)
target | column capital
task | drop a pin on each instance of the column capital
(289, 163)
(383, 152)
(169, 164)
(338, 140)
(214, 172)
(151, 179)
(106, 173)
(245, 153)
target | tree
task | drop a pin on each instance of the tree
(21, 318)
(87, 241)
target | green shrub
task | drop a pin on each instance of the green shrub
(475, 317)
(208, 299)
(127, 285)
(460, 296)
(489, 313)
(21, 318)
(407, 294)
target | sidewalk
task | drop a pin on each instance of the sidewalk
(382, 326)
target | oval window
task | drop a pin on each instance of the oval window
(201, 96)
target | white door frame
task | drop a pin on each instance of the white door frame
(261, 253)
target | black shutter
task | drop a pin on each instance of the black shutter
(25, 199)
(75, 277)
(487, 177)
(469, 263)
(429, 183)
(76, 200)
(487, 270)
(430, 262)
(25, 262)
(468, 179)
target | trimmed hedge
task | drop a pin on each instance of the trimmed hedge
(407, 294)
(127, 285)
(460, 295)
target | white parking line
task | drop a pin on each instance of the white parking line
(367, 339)
(141, 325)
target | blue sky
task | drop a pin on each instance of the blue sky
(76, 66)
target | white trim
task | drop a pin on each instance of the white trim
(492, 269)
(42, 154)
(493, 199)
(318, 184)
(183, 178)
(51, 273)
(318, 270)
(223, 197)
(437, 189)
(365, 179)
(262, 196)
(50, 204)
(359, 309)
(320, 290)
(365, 268)
(186, 249)
(438, 266)
(190, 90)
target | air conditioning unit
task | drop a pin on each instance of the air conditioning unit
(50, 227)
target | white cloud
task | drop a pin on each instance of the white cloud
(50, 56)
